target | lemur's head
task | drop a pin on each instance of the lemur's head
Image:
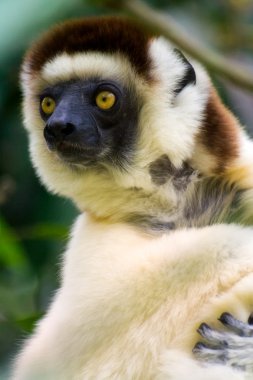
(109, 108)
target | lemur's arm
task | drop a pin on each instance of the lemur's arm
(233, 344)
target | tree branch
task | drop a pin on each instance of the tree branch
(165, 25)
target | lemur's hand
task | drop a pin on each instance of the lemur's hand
(232, 347)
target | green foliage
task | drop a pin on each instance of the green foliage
(12, 254)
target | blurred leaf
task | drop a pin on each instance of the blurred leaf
(27, 324)
(18, 301)
(29, 17)
(25, 15)
(11, 251)
(46, 231)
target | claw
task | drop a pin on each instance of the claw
(227, 319)
(250, 319)
(204, 330)
(210, 354)
(213, 337)
(199, 347)
(239, 327)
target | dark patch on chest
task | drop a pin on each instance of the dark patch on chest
(206, 202)
(162, 170)
(211, 202)
(150, 222)
(183, 176)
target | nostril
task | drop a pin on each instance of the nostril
(68, 129)
(48, 131)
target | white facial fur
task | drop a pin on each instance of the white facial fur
(168, 124)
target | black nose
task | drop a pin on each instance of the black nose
(58, 131)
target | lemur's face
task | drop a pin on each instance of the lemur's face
(90, 121)
(107, 105)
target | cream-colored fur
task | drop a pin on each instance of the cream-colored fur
(130, 302)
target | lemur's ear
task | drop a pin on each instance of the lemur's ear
(189, 75)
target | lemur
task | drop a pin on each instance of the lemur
(133, 131)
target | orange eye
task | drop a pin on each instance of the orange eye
(105, 100)
(48, 105)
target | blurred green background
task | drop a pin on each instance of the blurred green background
(34, 224)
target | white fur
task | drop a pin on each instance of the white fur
(87, 65)
(173, 133)
(130, 303)
(179, 118)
